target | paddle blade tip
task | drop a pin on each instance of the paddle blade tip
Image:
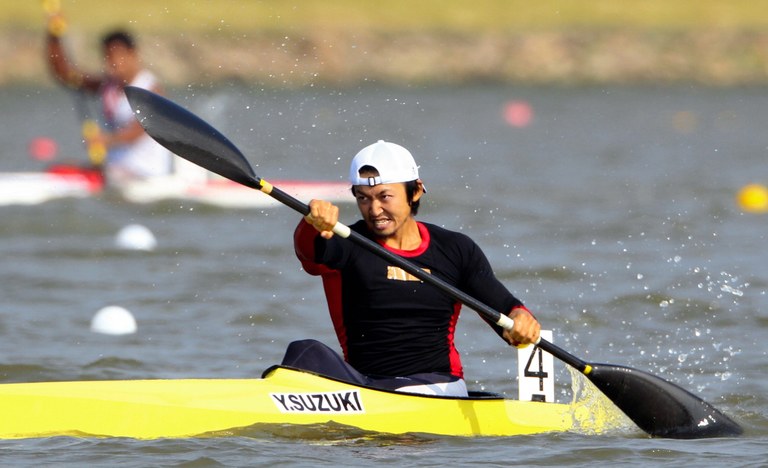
(136, 96)
(659, 407)
(190, 137)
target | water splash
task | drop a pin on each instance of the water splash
(725, 283)
(593, 412)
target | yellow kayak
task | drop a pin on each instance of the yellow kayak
(149, 409)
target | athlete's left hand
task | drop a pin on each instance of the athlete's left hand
(526, 329)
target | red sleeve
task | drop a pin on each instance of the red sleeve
(304, 245)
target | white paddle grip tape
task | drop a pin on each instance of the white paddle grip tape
(505, 322)
(341, 230)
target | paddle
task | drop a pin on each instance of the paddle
(658, 407)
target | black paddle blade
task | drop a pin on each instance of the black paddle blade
(188, 136)
(658, 407)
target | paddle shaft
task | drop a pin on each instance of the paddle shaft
(487, 312)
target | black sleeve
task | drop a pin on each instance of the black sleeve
(335, 252)
(482, 284)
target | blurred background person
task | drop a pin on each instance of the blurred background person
(119, 145)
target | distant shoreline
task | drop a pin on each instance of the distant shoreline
(708, 58)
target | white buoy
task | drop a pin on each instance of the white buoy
(135, 237)
(113, 320)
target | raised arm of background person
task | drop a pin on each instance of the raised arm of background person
(64, 71)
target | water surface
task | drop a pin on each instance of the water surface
(611, 215)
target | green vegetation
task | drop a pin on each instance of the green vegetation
(293, 43)
(243, 16)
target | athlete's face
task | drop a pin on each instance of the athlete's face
(384, 207)
(121, 62)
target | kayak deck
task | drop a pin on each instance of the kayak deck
(149, 409)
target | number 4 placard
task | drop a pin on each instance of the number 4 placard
(535, 372)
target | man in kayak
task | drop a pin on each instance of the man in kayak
(395, 331)
(130, 153)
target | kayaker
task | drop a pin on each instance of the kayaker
(130, 153)
(395, 331)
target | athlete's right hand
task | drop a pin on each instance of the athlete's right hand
(323, 216)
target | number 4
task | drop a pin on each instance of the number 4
(536, 373)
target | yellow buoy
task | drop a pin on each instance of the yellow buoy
(753, 198)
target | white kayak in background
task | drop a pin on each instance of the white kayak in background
(228, 194)
(33, 188)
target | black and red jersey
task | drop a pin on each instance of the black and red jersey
(388, 322)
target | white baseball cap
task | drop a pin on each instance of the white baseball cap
(393, 162)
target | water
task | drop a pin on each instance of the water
(611, 215)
